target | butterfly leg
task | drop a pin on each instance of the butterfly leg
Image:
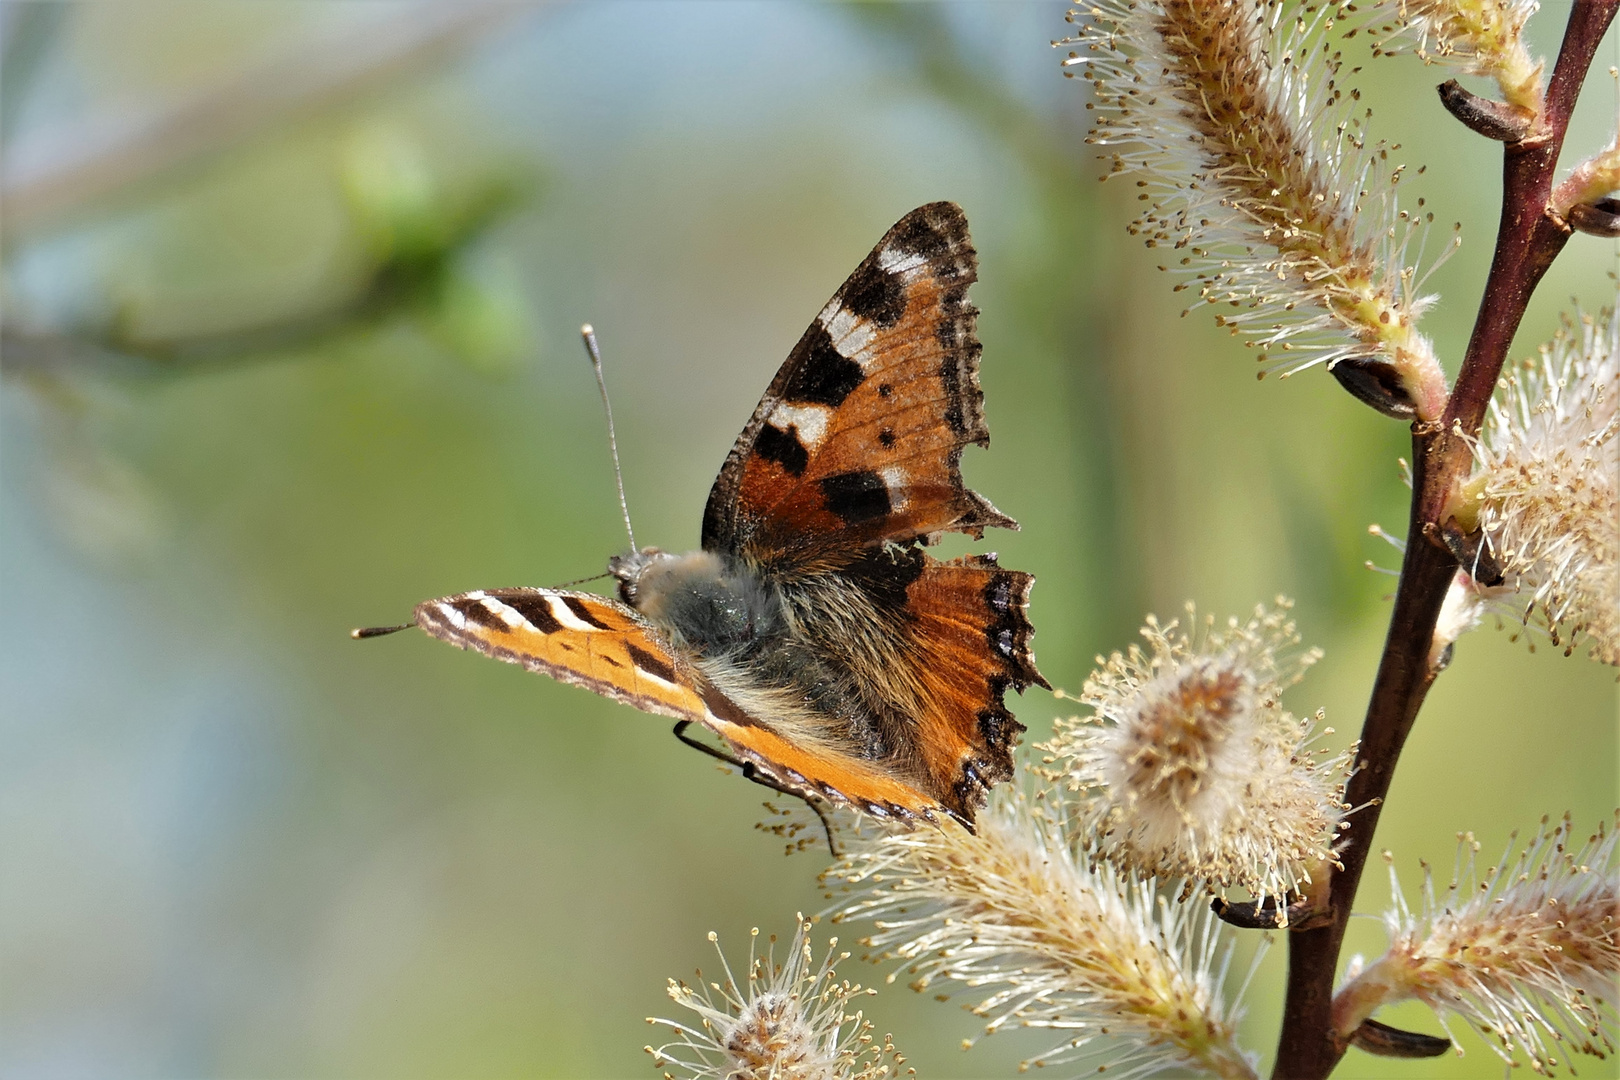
(751, 773)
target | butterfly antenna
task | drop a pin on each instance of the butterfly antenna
(589, 334)
(378, 631)
(583, 580)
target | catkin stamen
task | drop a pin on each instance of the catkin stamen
(1528, 951)
(1285, 215)
(1051, 937)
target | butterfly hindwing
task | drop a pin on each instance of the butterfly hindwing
(575, 637)
(858, 437)
(968, 618)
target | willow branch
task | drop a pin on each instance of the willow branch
(1529, 238)
(66, 171)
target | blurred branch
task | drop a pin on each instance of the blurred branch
(74, 169)
(408, 279)
(30, 351)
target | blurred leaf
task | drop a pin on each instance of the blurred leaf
(480, 316)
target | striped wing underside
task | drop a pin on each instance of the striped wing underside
(607, 647)
(575, 637)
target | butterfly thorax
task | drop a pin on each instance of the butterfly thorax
(746, 632)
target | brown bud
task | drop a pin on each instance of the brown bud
(1601, 218)
(1472, 550)
(1296, 914)
(1493, 119)
(1386, 1041)
(1376, 382)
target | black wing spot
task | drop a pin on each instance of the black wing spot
(649, 663)
(973, 783)
(1008, 635)
(579, 608)
(996, 724)
(857, 497)
(774, 444)
(536, 610)
(884, 389)
(824, 376)
(875, 294)
(922, 232)
(885, 575)
(950, 375)
(1004, 643)
(476, 612)
(886, 436)
(999, 594)
(723, 708)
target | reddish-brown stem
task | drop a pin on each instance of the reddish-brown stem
(1528, 239)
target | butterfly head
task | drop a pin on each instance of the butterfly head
(629, 569)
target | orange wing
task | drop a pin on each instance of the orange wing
(858, 438)
(575, 637)
(605, 646)
(817, 772)
(971, 627)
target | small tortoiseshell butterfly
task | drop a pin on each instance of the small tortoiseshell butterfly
(811, 633)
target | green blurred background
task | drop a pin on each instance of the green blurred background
(292, 293)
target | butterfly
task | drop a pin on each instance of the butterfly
(836, 659)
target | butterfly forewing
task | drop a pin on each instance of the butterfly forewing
(575, 637)
(605, 646)
(858, 437)
(817, 772)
